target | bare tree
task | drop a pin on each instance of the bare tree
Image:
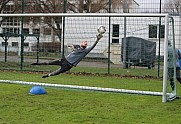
(125, 5)
(88, 6)
(51, 6)
(93, 6)
(76, 6)
(4, 8)
(172, 6)
(45, 6)
(59, 6)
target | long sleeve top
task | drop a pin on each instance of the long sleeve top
(77, 55)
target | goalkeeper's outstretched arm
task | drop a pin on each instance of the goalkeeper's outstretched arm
(98, 37)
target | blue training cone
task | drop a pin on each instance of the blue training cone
(37, 90)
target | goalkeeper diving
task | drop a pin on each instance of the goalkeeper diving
(71, 60)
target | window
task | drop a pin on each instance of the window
(26, 44)
(36, 31)
(115, 32)
(154, 31)
(115, 40)
(3, 43)
(162, 31)
(16, 30)
(11, 21)
(14, 44)
(26, 31)
(86, 8)
(47, 31)
(11, 30)
(5, 30)
(9, 8)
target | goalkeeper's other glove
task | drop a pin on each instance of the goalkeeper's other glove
(72, 47)
(99, 36)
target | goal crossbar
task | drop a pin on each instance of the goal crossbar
(84, 15)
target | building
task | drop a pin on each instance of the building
(85, 28)
(78, 29)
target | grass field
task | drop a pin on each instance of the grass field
(63, 106)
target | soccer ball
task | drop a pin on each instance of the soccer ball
(101, 29)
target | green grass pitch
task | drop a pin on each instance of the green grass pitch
(82, 107)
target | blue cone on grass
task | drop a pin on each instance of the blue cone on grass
(37, 90)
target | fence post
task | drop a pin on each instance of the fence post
(22, 36)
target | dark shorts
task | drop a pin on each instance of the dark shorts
(65, 66)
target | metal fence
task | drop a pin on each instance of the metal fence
(43, 37)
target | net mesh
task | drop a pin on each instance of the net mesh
(129, 56)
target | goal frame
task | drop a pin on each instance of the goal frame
(164, 93)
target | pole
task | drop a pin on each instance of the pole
(63, 36)
(159, 42)
(164, 97)
(125, 40)
(6, 45)
(109, 38)
(38, 49)
(22, 36)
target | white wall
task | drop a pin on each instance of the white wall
(78, 29)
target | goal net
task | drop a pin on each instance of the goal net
(131, 57)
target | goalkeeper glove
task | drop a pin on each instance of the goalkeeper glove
(99, 36)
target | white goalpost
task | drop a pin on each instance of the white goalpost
(106, 19)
